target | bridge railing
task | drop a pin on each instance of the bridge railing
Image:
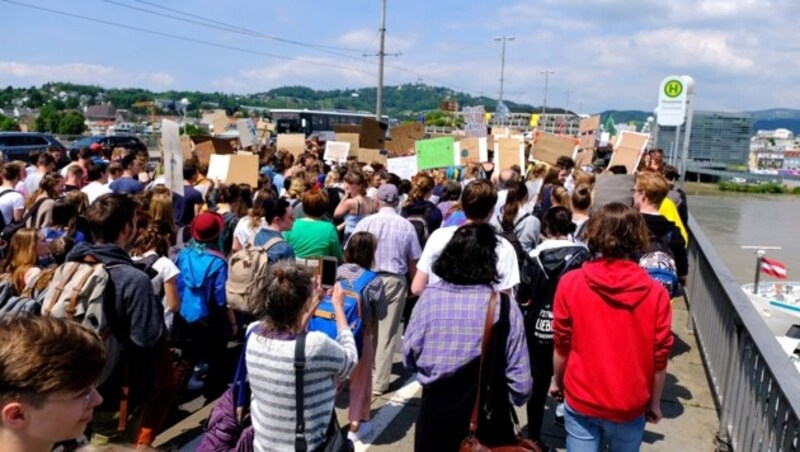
(755, 385)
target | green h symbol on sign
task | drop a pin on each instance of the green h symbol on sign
(673, 88)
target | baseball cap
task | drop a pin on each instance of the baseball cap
(388, 193)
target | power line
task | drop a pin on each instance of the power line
(236, 29)
(183, 38)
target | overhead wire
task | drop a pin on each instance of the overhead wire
(185, 38)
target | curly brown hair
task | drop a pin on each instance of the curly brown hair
(616, 231)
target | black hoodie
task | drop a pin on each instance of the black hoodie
(135, 317)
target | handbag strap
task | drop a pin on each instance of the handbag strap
(299, 367)
(487, 336)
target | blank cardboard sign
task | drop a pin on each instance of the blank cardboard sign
(628, 150)
(295, 143)
(509, 152)
(548, 147)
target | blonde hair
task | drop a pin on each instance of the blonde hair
(22, 256)
(560, 196)
(160, 208)
(297, 187)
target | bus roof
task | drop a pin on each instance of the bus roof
(365, 114)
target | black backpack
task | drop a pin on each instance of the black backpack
(145, 264)
(510, 234)
(229, 221)
(11, 229)
(420, 223)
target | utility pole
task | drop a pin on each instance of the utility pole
(502, 63)
(381, 54)
(567, 92)
(547, 75)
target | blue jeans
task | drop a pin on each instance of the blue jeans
(585, 433)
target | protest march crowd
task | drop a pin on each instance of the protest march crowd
(502, 286)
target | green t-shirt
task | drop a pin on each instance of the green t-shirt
(314, 238)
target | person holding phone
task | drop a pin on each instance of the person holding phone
(291, 292)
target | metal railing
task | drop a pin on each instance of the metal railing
(755, 385)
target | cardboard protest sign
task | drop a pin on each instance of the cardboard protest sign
(353, 139)
(628, 150)
(234, 169)
(405, 167)
(548, 147)
(509, 152)
(219, 121)
(585, 157)
(588, 131)
(346, 128)
(474, 121)
(295, 143)
(404, 137)
(368, 156)
(205, 146)
(173, 155)
(471, 150)
(247, 133)
(435, 153)
(336, 151)
(373, 134)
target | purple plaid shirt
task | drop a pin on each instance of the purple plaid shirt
(445, 333)
(397, 240)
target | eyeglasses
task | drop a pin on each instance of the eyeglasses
(85, 398)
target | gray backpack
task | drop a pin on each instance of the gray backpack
(76, 293)
(247, 274)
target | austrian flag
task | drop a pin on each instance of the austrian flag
(773, 268)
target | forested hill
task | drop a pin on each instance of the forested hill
(403, 101)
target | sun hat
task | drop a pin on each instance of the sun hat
(207, 226)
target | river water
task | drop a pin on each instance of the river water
(731, 222)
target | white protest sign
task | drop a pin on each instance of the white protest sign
(218, 165)
(336, 151)
(405, 167)
(173, 155)
(672, 101)
(247, 132)
(475, 121)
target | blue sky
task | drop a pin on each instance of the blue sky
(606, 53)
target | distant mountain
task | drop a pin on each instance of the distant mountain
(402, 101)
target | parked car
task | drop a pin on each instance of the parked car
(17, 145)
(110, 141)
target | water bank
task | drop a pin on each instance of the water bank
(712, 189)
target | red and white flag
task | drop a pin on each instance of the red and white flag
(773, 268)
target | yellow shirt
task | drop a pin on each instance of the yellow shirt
(670, 212)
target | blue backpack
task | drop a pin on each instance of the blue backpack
(324, 320)
(659, 263)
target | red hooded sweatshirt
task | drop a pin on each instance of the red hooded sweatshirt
(612, 323)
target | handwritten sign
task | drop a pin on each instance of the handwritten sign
(336, 151)
(247, 133)
(404, 137)
(474, 121)
(435, 153)
(405, 167)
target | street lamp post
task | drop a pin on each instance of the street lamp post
(502, 62)
(547, 75)
(184, 106)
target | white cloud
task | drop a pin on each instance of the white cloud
(368, 39)
(12, 71)
(320, 73)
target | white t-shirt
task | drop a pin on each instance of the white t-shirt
(94, 190)
(166, 270)
(243, 231)
(507, 265)
(9, 202)
(32, 182)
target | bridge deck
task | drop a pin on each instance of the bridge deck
(690, 418)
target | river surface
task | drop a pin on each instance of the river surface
(733, 222)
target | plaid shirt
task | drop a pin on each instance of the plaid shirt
(397, 240)
(445, 333)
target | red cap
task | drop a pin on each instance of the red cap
(207, 226)
(96, 147)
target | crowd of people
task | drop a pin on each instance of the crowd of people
(566, 253)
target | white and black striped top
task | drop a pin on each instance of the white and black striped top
(270, 368)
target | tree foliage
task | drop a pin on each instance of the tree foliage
(8, 124)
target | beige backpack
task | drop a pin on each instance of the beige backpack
(247, 274)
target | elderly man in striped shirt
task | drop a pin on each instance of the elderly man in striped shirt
(395, 257)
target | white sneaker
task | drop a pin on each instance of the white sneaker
(364, 430)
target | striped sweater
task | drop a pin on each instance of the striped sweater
(270, 368)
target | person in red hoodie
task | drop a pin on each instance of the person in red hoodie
(612, 338)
